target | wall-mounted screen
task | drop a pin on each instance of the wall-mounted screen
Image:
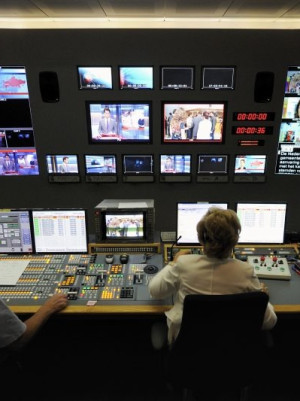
(292, 83)
(62, 164)
(261, 222)
(15, 228)
(135, 77)
(137, 164)
(200, 122)
(175, 164)
(95, 77)
(13, 83)
(57, 231)
(177, 77)
(218, 77)
(116, 122)
(212, 164)
(100, 168)
(250, 164)
(18, 162)
(188, 215)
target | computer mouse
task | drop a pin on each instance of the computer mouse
(124, 258)
(109, 258)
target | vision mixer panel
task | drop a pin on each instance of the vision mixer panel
(86, 279)
(270, 267)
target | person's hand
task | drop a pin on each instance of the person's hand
(56, 303)
(264, 288)
(181, 252)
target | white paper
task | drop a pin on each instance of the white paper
(11, 270)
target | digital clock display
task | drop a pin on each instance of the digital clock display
(252, 130)
(253, 116)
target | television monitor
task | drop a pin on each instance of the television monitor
(14, 162)
(291, 110)
(135, 77)
(177, 77)
(193, 122)
(218, 77)
(94, 77)
(19, 138)
(212, 164)
(15, 113)
(13, 83)
(100, 168)
(250, 164)
(262, 222)
(138, 168)
(119, 122)
(292, 84)
(60, 230)
(188, 215)
(62, 168)
(175, 168)
(125, 220)
(16, 232)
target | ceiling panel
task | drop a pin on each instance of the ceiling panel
(19, 9)
(259, 8)
(196, 8)
(70, 8)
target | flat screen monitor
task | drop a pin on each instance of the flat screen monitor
(19, 138)
(60, 231)
(188, 215)
(218, 77)
(100, 164)
(291, 109)
(119, 122)
(95, 77)
(62, 164)
(137, 164)
(177, 77)
(292, 84)
(212, 164)
(135, 77)
(13, 83)
(197, 122)
(14, 162)
(16, 233)
(250, 164)
(175, 164)
(261, 222)
(124, 225)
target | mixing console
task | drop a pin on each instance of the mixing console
(270, 267)
(86, 279)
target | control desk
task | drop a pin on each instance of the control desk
(94, 283)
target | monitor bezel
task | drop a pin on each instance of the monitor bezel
(62, 210)
(137, 174)
(80, 87)
(200, 103)
(179, 67)
(212, 173)
(134, 66)
(116, 141)
(263, 203)
(204, 67)
(101, 155)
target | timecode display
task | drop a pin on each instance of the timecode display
(253, 116)
(252, 130)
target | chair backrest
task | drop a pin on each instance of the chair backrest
(222, 335)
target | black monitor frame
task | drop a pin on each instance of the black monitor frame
(94, 85)
(225, 70)
(177, 86)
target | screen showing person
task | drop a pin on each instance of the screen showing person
(118, 122)
(95, 77)
(124, 225)
(262, 222)
(68, 231)
(177, 77)
(138, 164)
(8, 163)
(218, 77)
(62, 164)
(212, 164)
(291, 108)
(290, 132)
(250, 164)
(16, 235)
(135, 77)
(193, 122)
(19, 162)
(188, 214)
(13, 83)
(292, 85)
(100, 164)
(175, 164)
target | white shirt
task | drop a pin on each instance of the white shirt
(199, 274)
(11, 327)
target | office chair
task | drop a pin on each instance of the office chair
(220, 346)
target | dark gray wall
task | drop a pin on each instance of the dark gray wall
(62, 127)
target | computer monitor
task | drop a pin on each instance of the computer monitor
(100, 168)
(217, 77)
(60, 230)
(95, 77)
(188, 215)
(136, 77)
(177, 77)
(15, 230)
(262, 223)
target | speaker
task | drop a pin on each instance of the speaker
(49, 87)
(263, 89)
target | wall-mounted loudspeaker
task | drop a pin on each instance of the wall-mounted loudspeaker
(49, 86)
(263, 89)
